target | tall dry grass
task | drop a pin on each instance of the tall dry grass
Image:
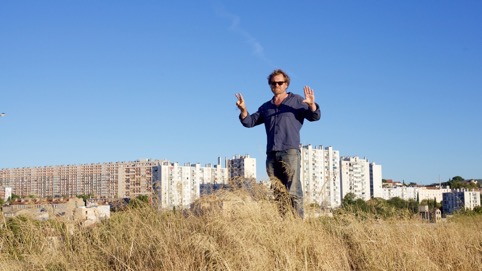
(234, 231)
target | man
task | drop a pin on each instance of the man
(283, 117)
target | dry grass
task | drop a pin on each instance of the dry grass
(233, 231)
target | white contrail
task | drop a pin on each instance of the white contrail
(235, 26)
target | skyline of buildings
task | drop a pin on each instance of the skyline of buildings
(177, 184)
(326, 176)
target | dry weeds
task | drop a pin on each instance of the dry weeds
(240, 231)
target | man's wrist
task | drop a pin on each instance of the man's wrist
(312, 107)
(243, 114)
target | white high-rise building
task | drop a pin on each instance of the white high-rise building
(320, 176)
(179, 186)
(376, 181)
(355, 177)
(403, 192)
(242, 166)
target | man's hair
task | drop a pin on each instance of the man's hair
(277, 72)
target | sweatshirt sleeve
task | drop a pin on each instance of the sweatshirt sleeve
(252, 120)
(313, 116)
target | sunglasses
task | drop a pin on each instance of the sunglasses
(274, 83)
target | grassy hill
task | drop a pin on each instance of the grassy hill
(234, 231)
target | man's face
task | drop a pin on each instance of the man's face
(278, 84)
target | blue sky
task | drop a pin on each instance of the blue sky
(398, 82)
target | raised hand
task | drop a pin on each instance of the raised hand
(241, 105)
(309, 98)
(240, 102)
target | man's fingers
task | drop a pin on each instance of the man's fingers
(240, 97)
(308, 90)
(240, 101)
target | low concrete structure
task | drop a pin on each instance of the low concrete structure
(71, 209)
(434, 215)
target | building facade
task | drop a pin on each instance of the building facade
(180, 185)
(241, 166)
(355, 177)
(403, 192)
(460, 199)
(320, 176)
(429, 193)
(101, 180)
(375, 180)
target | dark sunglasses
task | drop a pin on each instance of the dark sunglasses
(274, 83)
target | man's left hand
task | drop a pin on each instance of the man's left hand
(310, 98)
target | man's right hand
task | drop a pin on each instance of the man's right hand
(241, 105)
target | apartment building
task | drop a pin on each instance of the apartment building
(460, 199)
(180, 185)
(375, 180)
(101, 180)
(403, 192)
(355, 177)
(320, 176)
(432, 193)
(416, 193)
(242, 166)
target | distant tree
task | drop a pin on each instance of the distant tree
(398, 203)
(380, 207)
(413, 205)
(143, 198)
(13, 197)
(348, 199)
(478, 209)
(361, 205)
(412, 184)
(85, 197)
(458, 179)
(353, 204)
(139, 201)
(458, 182)
(472, 185)
(431, 203)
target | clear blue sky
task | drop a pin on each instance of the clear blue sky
(398, 82)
